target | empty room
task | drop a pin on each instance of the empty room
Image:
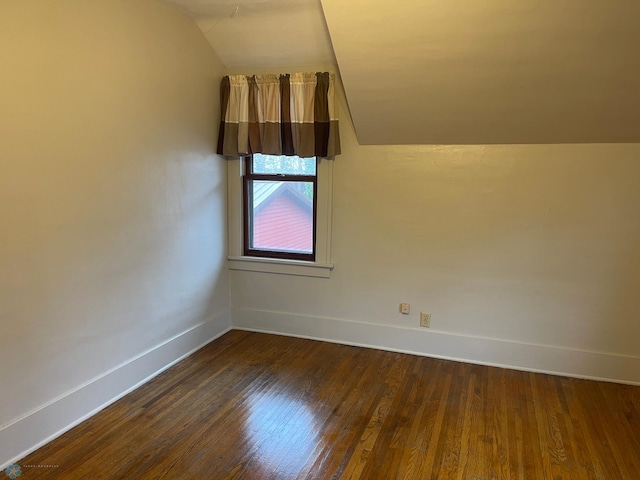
(319, 239)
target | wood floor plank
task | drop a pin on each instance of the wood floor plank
(258, 406)
(543, 425)
(501, 423)
(414, 448)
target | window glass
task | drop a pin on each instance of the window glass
(280, 164)
(282, 216)
(280, 207)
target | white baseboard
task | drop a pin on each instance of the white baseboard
(419, 341)
(39, 427)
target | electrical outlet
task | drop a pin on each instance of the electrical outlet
(405, 308)
(425, 319)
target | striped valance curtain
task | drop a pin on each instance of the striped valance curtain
(289, 114)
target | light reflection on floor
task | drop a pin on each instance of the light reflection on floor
(282, 434)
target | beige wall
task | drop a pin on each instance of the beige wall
(525, 255)
(112, 202)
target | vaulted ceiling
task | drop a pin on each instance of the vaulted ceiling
(452, 72)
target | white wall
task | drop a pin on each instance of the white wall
(112, 203)
(525, 255)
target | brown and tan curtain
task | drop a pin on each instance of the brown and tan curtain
(291, 114)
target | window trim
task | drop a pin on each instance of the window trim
(247, 178)
(321, 267)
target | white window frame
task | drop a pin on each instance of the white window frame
(322, 266)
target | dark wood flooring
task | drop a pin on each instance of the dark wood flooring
(259, 406)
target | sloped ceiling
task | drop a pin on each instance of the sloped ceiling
(263, 33)
(452, 72)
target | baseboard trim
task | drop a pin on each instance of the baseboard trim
(493, 352)
(37, 428)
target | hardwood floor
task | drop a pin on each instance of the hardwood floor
(259, 406)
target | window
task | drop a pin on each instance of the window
(261, 176)
(279, 207)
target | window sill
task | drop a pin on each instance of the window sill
(282, 267)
